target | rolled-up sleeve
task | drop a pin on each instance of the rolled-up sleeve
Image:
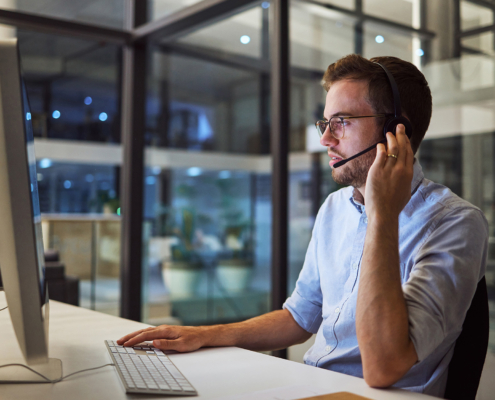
(305, 303)
(442, 282)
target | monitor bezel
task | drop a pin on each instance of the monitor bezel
(18, 254)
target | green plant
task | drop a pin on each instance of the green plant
(184, 254)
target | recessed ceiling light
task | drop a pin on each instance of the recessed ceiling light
(194, 171)
(245, 39)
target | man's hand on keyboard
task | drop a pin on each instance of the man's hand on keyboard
(164, 337)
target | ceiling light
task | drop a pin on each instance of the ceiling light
(379, 39)
(194, 171)
(224, 175)
(245, 39)
(45, 163)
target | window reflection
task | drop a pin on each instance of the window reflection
(72, 86)
(206, 252)
(73, 89)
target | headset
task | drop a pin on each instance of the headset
(391, 123)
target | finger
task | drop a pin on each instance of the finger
(410, 156)
(144, 336)
(381, 155)
(392, 148)
(402, 145)
(129, 336)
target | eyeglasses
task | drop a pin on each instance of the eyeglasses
(338, 124)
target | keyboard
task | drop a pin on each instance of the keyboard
(146, 369)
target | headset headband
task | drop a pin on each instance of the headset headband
(395, 91)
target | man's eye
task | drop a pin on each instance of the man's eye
(346, 122)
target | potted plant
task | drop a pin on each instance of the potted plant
(235, 266)
(182, 273)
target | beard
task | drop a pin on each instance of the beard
(355, 172)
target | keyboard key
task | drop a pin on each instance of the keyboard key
(174, 371)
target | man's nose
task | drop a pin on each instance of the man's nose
(327, 139)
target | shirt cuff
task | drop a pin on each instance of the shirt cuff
(306, 313)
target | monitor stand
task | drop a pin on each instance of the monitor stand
(17, 374)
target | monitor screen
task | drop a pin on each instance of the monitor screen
(33, 178)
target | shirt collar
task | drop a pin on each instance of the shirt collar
(357, 200)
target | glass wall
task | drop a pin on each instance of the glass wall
(207, 181)
(108, 13)
(73, 88)
(161, 8)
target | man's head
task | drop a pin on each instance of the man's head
(356, 87)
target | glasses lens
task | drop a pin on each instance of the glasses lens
(321, 126)
(337, 127)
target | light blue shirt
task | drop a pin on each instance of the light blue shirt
(443, 242)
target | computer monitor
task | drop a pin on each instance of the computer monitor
(21, 244)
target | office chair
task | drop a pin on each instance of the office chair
(470, 349)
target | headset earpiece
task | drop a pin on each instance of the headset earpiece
(398, 118)
(391, 125)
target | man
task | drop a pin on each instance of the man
(394, 258)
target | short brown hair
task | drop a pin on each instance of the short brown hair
(415, 94)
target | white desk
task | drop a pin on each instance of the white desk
(77, 335)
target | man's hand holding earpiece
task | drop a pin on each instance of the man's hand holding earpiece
(388, 186)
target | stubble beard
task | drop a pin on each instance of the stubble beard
(355, 172)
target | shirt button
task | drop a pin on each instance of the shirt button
(327, 348)
(355, 266)
(366, 220)
(337, 310)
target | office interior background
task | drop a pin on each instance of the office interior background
(168, 129)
